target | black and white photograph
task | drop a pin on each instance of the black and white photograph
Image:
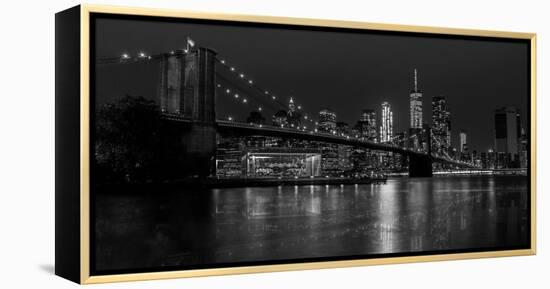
(274, 144)
(225, 144)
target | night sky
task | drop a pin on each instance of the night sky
(345, 71)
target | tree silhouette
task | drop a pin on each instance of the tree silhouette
(127, 140)
(255, 117)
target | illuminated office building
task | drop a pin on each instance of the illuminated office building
(386, 128)
(327, 121)
(441, 129)
(463, 142)
(367, 125)
(416, 105)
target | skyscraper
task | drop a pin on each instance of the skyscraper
(291, 106)
(386, 128)
(463, 142)
(507, 131)
(367, 125)
(293, 116)
(441, 129)
(416, 105)
(327, 121)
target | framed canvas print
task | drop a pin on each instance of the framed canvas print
(193, 144)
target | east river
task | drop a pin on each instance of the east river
(194, 229)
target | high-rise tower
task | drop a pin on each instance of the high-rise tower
(507, 131)
(416, 104)
(441, 129)
(386, 129)
(367, 125)
(291, 106)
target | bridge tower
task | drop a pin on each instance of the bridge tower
(421, 165)
(187, 91)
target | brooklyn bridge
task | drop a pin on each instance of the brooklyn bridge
(191, 82)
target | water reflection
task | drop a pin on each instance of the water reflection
(288, 222)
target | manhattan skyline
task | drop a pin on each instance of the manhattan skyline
(475, 76)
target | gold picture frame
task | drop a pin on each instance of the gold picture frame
(83, 259)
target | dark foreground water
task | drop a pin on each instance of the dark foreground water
(405, 215)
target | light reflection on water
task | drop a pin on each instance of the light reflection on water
(289, 222)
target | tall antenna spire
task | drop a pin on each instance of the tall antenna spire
(415, 81)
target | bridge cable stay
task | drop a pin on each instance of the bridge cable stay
(239, 96)
(126, 58)
(269, 94)
(223, 81)
(244, 99)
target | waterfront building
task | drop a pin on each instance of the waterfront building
(344, 157)
(282, 162)
(229, 157)
(507, 135)
(386, 128)
(441, 129)
(330, 161)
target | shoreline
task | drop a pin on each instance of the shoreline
(215, 183)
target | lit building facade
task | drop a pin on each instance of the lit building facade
(441, 129)
(463, 142)
(415, 105)
(327, 121)
(386, 128)
(367, 125)
(293, 115)
(507, 136)
(282, 162)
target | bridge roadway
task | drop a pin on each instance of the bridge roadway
(267, 130)
(224, 126)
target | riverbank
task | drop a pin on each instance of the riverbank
(212, 183)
